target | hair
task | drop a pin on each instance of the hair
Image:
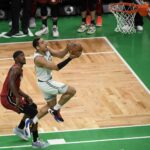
(35, 42)
(17, 53)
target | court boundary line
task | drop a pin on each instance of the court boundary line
(56, 40)
(87, 141)
(127, 65)
(91, 53)
(86, 129)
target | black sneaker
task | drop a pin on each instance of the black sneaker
(56, 114)
(12, 32)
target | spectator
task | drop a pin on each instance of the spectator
(91, 5)
(44, 16)
(15, 16)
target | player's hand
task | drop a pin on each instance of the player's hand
(73, 56)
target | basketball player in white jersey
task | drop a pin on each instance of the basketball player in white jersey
(49, 87)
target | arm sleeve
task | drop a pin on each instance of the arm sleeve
(63, 63)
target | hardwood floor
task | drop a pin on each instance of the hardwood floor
(108, 94)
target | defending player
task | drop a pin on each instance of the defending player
(13, 98)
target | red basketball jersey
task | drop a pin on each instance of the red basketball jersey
(6, 88)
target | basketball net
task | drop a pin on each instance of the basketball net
(124, 14)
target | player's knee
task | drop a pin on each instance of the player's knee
(34, 106)
(72, 91)
(33, 113)
(30, 110)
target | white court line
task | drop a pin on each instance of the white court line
(136, 76)
(89, 141)
(91, 53)
(89, 129)
(54, 40)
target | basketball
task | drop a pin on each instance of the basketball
(75, 49)
(143, 9)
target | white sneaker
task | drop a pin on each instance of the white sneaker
(82, 28)
(55, 31)
(40, 144)
(32, 23)
(91, 29)
(44, 30)
(139, 28)
(20, 133)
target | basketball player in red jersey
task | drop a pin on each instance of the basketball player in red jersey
(13, 98)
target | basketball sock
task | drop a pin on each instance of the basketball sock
(57, 107)
(88, 20)
(44, 22)
(99, 21)
(21, 124)
(35, 119)
(35, 135)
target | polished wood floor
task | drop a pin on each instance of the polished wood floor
(108, 94)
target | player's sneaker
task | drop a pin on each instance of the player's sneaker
(91, 29)
(44, 30)
(40, 144)
(55, 31)
(56, 114)
(82, 28)
(12, 33)
(28, 123)
(139, 28)
(20, 133)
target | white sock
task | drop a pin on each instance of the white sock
(35, 119)
(57, 107)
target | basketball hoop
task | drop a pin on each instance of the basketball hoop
(124, 14)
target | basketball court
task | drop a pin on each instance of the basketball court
(111, 109)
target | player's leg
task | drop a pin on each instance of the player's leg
(54, 12)
(26, 16)
(19, 130)
(67, 94)
(37, 143)
(83, 8)
(50, 90)
(138, 22)
(99, 10)
(92, 8)
(44, 13)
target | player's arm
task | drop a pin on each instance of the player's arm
(27, 97)
(13, 75)
(42, 62)
(58, 53)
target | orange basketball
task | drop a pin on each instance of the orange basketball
(75, 49)
(143, 9)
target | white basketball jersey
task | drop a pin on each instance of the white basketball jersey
(43, 74)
